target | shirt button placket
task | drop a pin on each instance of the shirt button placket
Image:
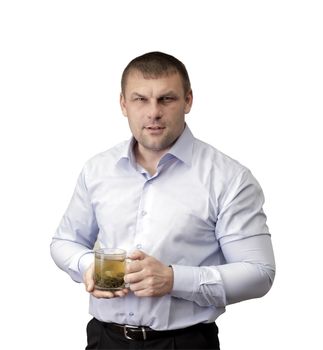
(141, 215)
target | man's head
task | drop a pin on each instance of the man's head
(156, 95)
(155, 65)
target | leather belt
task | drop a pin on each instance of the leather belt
(141, 333)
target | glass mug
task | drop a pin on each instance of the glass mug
(109, 269)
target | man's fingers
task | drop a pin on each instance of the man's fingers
(88, 279)
(137, 255)
(122, 293)
(135, 287)
(89, 286)
(134, 277)
(89, 283)
(102, 294)
(134, 266)
(108, 294)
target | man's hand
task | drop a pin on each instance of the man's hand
(147, 276)
(89, 286)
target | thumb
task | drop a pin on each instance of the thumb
(88, 279)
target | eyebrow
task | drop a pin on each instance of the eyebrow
(136, 94)
(167, 93)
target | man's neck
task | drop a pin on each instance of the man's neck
(148, 159)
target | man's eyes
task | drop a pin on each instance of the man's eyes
(167, 99)
(163, 99)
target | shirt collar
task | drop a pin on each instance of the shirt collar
(126, 152)
(182, 149)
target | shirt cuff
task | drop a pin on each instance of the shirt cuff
(186, 281)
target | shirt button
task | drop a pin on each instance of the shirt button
(143, 213)
(131, 313)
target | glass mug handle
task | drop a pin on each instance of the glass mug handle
(128, 261)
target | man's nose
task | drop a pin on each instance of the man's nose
(154, 110)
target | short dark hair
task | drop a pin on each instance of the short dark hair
(154, 65)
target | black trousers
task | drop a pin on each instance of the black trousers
(100, 337)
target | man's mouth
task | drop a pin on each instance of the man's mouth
(154, 127)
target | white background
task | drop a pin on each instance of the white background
(256, 72)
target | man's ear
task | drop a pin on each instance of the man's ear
(188, 101)
(123, 105)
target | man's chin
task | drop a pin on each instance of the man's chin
(156, 147)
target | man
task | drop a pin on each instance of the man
(190, 218)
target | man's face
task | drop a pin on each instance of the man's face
(155, 109)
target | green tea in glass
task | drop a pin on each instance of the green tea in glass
(109, 269)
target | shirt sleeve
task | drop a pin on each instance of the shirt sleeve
(248, 273)
(73, 241)
(249, 267)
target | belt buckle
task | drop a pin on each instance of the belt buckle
(125, 331)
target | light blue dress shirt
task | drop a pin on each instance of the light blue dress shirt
(201, 212)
